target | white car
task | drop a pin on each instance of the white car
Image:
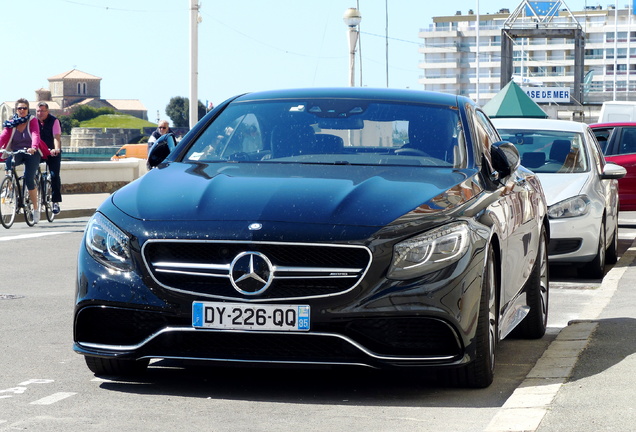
(580, 187)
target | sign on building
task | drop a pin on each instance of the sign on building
(548, 94)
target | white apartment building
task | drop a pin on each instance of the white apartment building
(449, 55)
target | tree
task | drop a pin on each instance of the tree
(85, 112)
(178, 110)
(67, 123)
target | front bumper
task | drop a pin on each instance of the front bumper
(574, 240)
(381, 323)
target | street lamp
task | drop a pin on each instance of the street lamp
(195, 19)
(352, 19)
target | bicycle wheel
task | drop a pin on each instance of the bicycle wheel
(8, 201)
(28, 205)
(47, 198)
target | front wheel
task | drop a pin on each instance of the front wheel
(8, 201)
(28, 205)
(596, 268)
(47, 199)
(481, 371)
(611, 257)
(537, 290)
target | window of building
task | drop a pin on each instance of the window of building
(81, 88)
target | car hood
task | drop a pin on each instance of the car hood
(560, 186)
(335, 195)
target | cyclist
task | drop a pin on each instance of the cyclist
(50, 133)
(22, 131)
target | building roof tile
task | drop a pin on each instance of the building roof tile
(74, 74)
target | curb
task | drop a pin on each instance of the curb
(75, 213)
(526, 407)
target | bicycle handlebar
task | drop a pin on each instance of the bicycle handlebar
(6, 152)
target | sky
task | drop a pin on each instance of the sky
(140, 48)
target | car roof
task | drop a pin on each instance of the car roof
(539, 124)
(612, 124)
(385, 94)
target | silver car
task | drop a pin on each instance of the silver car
(581, 189)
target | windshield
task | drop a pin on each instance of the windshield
(546, 151)
(334, 132)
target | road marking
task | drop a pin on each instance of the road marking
(55, 397)
(34, 235)
(525, 408)
(36, 381)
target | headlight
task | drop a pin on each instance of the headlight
(107, 243)
(571, 207)
(429, 252)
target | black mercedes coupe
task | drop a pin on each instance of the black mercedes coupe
(348, 226)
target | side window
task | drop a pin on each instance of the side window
(628, 141)
(602, 136)
(484, 135)
(492, 133)
(596, 154)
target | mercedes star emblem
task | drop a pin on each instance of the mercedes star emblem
(251, 273)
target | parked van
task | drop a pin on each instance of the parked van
(131, 151)
(617, 112)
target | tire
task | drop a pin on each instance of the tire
(47, 199)
(28, 205)
(611, 256)
(480, 372)
(8, 202)
(596, 268)
(109, 366)
(537, 290)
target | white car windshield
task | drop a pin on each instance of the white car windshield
(547, 151)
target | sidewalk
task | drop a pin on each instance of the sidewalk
(586, 380)
(80, 205)
(599, 395)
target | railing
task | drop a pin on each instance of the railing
(88, 153)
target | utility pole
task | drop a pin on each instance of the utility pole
(195, 19)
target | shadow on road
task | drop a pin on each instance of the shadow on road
(334, 386)
(612, 342)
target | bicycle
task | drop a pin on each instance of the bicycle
(43, 179)
(14, 195)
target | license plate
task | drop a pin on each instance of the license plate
(242, 316)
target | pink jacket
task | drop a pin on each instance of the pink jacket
(34, 131)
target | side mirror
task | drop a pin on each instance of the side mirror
(505, 158)
(613, 171)
(161, 149)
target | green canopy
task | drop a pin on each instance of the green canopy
(512, 101)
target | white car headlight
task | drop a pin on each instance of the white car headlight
(571, 207)
(429, 252)
(108, 244)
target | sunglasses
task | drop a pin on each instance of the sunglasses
(22, 108)
(163, 127)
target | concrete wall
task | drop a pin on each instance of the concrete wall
(100, 177)
(98, 137)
